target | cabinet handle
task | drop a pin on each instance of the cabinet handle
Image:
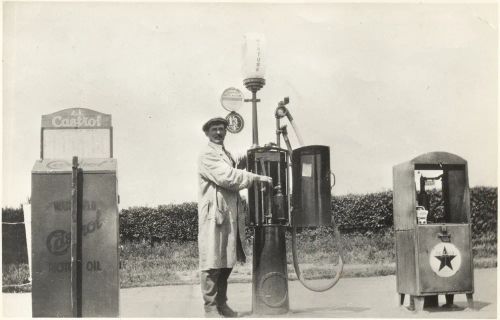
(444, 235)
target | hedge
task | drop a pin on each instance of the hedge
(166, 222)
(366, 213)
(14, 249)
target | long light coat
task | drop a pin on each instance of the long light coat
(221, 220)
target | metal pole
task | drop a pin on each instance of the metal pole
(255, 129)
(254, 85)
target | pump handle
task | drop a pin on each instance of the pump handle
(334, 180)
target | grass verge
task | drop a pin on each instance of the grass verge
(177, 262)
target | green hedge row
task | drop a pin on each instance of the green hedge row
(166, 222)
(484, 209)
(373, 212)
(14, 249)
(366, 213)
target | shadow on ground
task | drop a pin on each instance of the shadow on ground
(460, 306)
(310, 312)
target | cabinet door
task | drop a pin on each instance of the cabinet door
(100, 282)
(444, 263)
(51, 245)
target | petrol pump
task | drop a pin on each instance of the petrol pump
(300, 195)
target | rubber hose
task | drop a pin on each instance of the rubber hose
(297, 268)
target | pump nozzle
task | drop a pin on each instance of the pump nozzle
(281, 111)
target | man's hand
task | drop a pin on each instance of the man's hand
(266, 179)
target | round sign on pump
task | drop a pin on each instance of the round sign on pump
(231, 99)
(235, 122)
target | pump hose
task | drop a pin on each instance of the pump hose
(340, 267)
(338, 272)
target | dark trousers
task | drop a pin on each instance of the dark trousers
(214, 286)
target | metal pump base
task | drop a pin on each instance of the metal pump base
(269, 277)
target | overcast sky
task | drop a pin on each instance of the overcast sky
(378, 83)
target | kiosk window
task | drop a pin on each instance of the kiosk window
(441, 191)
(429, 193)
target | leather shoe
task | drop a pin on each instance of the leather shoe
(227, 312)
(213, 313)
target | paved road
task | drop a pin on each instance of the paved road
(351, 298)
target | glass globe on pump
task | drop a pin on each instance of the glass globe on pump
(253, 73)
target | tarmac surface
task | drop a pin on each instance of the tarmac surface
(372, 297)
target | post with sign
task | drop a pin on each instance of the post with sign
(75, 218)
(232, 100)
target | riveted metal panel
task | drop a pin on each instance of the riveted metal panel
(100, 228)
(51, 235)
(406, 261)
(458, 247)
(311, 187)
(404, 199)
(50, 241)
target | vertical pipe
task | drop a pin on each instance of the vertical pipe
(278, 132)
(111, 142)
(256, 187)
(264, 211)
(270, 192)
(279, 175)
(255, 130)
(75, 297)
(41, 143)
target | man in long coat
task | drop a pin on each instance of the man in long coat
(221, 220)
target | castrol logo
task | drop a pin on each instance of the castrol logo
(79, 121)
(58, 242)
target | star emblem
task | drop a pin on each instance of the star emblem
(445, 259)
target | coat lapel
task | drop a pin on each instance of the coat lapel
(220, 152)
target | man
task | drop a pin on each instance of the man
(221, 220)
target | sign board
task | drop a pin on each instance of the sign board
(430, 182)
(51, 238)
(77, 132)
(235, 122)
(232, 99)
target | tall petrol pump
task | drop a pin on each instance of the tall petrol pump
(275, 208)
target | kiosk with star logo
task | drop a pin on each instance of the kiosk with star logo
(432, 223)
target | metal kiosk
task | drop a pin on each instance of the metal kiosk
(75, 229)
(433, 236)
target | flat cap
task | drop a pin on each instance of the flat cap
(217, 120)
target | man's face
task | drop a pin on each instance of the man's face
(216, 133)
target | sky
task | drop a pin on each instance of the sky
(378, 83)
